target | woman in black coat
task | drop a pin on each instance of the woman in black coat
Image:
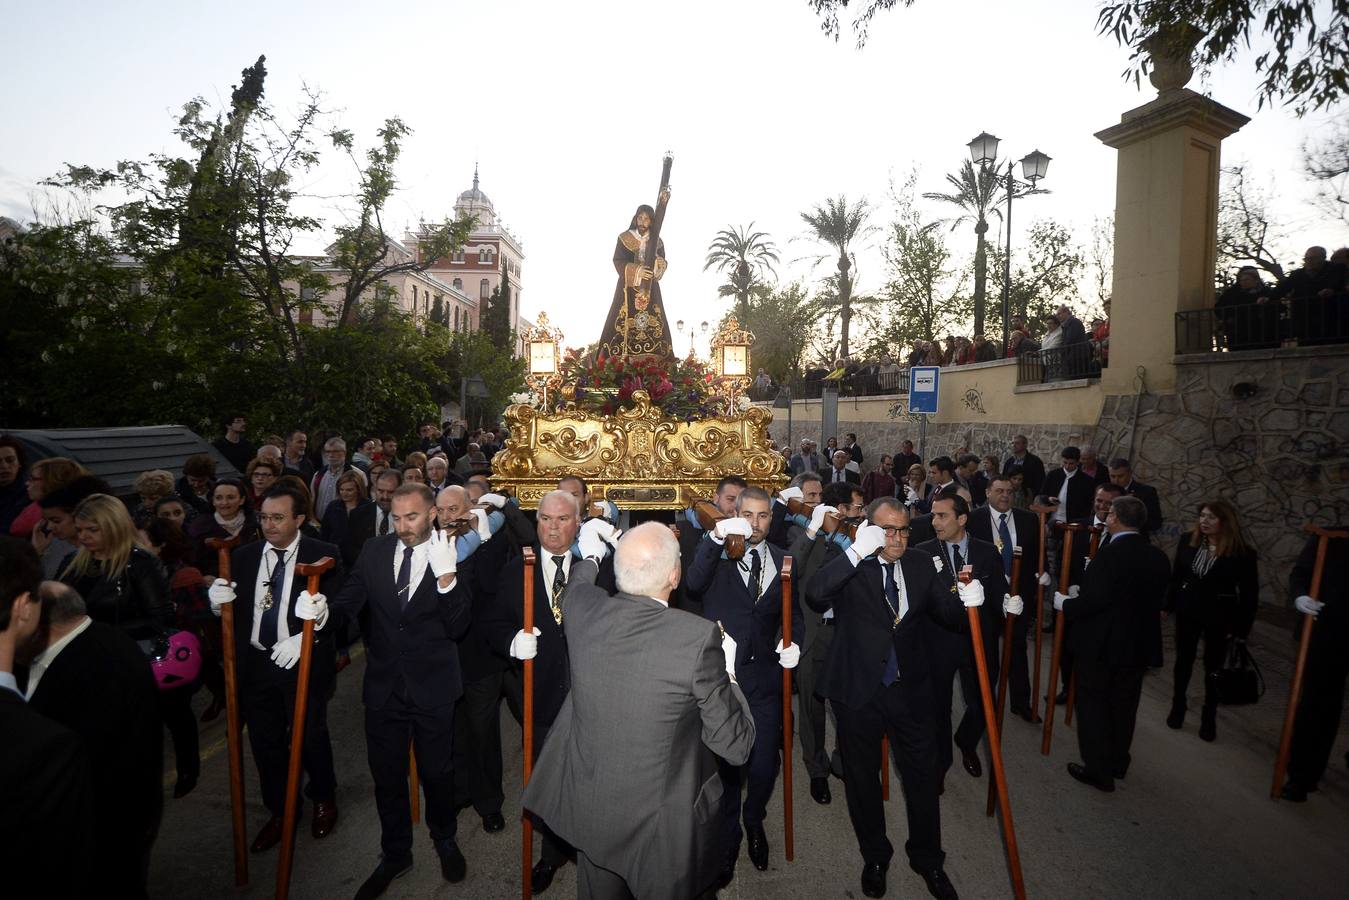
(1215, 587)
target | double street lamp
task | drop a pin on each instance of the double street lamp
(690, 331)
(1034, 166)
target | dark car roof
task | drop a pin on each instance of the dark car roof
(118, 455)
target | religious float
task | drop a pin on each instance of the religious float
(643, 428)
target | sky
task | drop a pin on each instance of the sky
(567, 108)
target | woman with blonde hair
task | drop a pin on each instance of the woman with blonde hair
(1215, 588)
(151, 487)
(915, 489)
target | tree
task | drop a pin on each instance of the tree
(1245, 233)
(1047, 273)
(779, 318)
(924, 287)
(1306, 65)
(1326, 163)
(744, 256)
(1101, 257)
(840, 226)
(496, 320)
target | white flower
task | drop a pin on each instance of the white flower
(936, 562)
(742, 403)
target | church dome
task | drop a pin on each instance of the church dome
(474, 196)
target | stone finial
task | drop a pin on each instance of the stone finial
(1170, 50)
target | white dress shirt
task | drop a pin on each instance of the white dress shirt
(420, 565)
(838, 475)
(898, 574)
(550, 569)
(997, 518)
(44, 660)
(1061, 510)
(768, 569)
(262, 590)
(9, 682)
(380, 517)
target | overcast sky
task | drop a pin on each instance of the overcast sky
(568, 108)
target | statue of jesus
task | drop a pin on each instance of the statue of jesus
(636, 324)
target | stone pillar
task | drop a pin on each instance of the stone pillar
(1166, 213)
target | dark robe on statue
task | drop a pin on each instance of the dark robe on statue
(636, 326)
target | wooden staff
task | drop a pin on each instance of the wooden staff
(1042, 512)
(1005, 664)
(527, 836)
(1065, 572)
(223, 546)
(414, 787)
(788, 839)
(313, 572)
(995, 745)
(1096, 531)
(1295, 689)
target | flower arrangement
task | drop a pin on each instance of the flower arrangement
(681, 389)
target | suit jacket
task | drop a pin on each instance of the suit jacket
(809, 555)
(754, 622)
(361, 525)
(785, 529)
(1116, 621)
(627, 773)
(48, 829)
(864, 632)
(101, 688)
(413, 641)
(336, 527)
(690, 536)
(1081, 492)
(981, 526)
(505, 616)
(1074, 332)
(827, 476)
(1031, 467)
(1148, 494)
(244, 562)
(482, 572)
(983, 557)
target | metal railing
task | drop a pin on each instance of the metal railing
(1060, 364)
(1263, 326)
(862, 384)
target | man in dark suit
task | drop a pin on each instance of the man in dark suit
(1076, 350)
(503, 630)
(967, 473)
(628, 774)
(47, 827)
(93, 679)
(371, 519)
(806, 487)
(1122, 474)
(418, 610)
(953, 655)
(838, 469)
(691, 535)
(1116, 633)
(745, 597)
(1070, 493)
(268, 628)
(878, 680)
(1027, 463)
(1010, 529)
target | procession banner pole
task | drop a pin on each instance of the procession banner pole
(788, 840)
(527, 837)
(1295, 689)
(313, 572)
(223, 546)
(995, 746)
(1043, 512)
(1065, 570)
(1005, 666)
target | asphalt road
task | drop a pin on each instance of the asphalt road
(1192, 821)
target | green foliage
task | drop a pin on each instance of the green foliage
(496, 319)
(744, 252)
(839, 225)
(473, 353)
(1046, 272)
(925, 288)
(780, 318)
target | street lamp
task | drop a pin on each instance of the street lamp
(731, 359)
(543, 341)
(690, 331)
(1034, 166)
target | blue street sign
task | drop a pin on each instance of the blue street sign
(923, 389)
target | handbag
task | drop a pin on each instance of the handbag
(1240, 681)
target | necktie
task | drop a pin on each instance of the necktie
(267, 627)
(559, 584)
(1005, 534)
(383, 521)
(1105, 539)
(755, 575)
(404, 577)
(891, 673)
(957, 561)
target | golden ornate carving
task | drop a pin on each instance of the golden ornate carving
(636, 457)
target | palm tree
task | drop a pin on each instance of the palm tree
(840, 226)
(744, 255)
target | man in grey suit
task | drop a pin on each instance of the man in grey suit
(627, 775)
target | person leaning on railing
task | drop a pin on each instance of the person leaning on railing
(1248, 312)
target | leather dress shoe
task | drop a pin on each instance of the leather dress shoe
(453, 868)
(325, 818)
(1061, 699)
(268, 836)
(757, 842)
(938, 885)
(184, 786)
(970, 760)
(493, 822)
(727, 873)
(1025, 713)
(541, 876)
(1294, 792)
(1081, 774)
(819, 791)
(383, 876)
(873, 880)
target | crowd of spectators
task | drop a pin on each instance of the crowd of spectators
(1310, 306)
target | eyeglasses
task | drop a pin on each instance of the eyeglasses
(273, 518)
(895, 530)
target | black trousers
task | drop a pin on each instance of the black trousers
(1189, 629)
(761, 772)
(477, 746)
(267, 700)
(1018, 672)
(810, 706)
(175, 708)
(1318, 711)
(389, 731)
(1107, 707)
(952, 663)
(910, 728)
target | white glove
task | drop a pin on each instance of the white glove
(731, 526)
(594, 538)
(1074, 590)
(493, 499)
(1058, 601)
(1045, 580)
(817, 519)
(870, 538)
(910, 494)
(483, 527)
(1304, 604)
(287, 653)
(971, 594)
(525, 645)
(728, 650)
(312, 606)
(220, 593)
(440, 554)
(791, 493)
(789, 656)
(1013, 606)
